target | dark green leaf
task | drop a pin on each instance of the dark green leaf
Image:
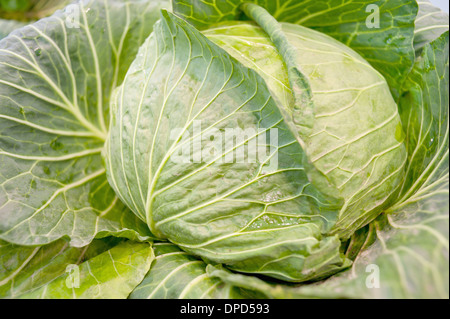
(388, 46)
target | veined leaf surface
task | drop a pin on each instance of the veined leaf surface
(55, 86)
(254, 216)
(356, 137)
(176, 274)
(110, 275)
(24, 269)
(430, 23)
(410, 254)
(424, 111)
(381, 31)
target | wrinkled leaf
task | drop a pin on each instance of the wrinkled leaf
(381, 31)
(424, 111)
(356, 138)
(410, 256)
(54, 95)
(260, 216)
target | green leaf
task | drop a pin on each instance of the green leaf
(260, 216)
(431, 22)
(15, 14)
(361, 161)
(54, 95)
(24, 269)
(268, 289)
(176, 274)
(301, 110)
(28, 10)
(110, 275)
(15, 5)
(409, 258)
(410, 255)
(387, 45)
(7, 26)
(424, 111)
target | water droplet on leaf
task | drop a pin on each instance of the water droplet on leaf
(56, 145)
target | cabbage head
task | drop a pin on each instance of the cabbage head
(224, 149)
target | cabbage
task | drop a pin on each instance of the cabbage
(224, 149)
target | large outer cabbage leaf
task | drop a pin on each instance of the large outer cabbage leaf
(387, 45)
(112, 274)
(424, 111)
(254, 216)
(24, 269)
(55, 89)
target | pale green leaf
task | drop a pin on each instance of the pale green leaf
(409, 257)
(254, 216)
(424, 111)
(364, 158)
(110, 275)
(430, 23)
(176, 274)
(55, 88)
(7, 26)
(24, 269)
